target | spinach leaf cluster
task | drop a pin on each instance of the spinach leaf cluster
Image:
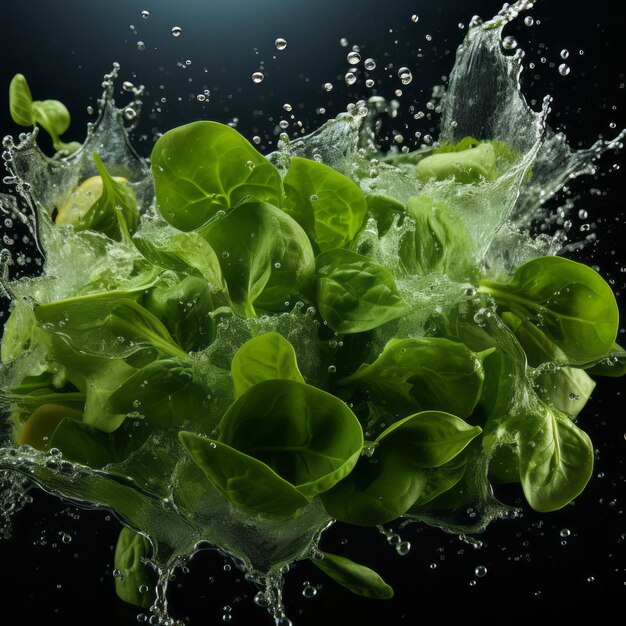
(418, 428)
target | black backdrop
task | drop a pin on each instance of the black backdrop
(533, 572)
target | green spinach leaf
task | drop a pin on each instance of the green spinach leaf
(386, 484)
(262, 358)
(247, 482)
(424, 373)
(327, 204)
(204, 167)
(136, 579)
(266, 258)
(166, 393)
(359, 579)
(570, 302)
(354, 294)
(105, 325)
(555, 458)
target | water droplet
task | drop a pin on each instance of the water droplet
(308, 590)
(343, 41)
(353, 58)
(415, 18)
(280, 43)
(227, 567)
(328, 86)
(369, 82)
(201, 97)
(283, 124)
(369, 64)
(573, 396)
(404, 73)
(141, 46)
(509, 43)
(565, 532)
(564, 69)
(529, 20)
(313, 197)
(582, 214)
(277, 265)
(564, 54)
(261, 599)
(145, 14)
(65, 538)
(287, 107)
(480, 571)
(350, 78)
(332, 369)
(258, 77)
(256, 139)
(403, 548)
(176, 31)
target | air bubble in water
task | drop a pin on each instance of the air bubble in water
(308, 590)
(328, 86)
(565, 532)
(280, 43)
(509, 43)
(176, 31)
(369, 64)
(353, 58)
(404, 73)
(480, 571)
(350, 78)
(141, 46)
(564, 69)
(582, 214)
(403, 548)
(415, 18)
(529, 20)
(369, 82)
(564, 54)
(343, 41)
(258, 77)
(145, 14)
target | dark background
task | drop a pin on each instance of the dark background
(533, 572)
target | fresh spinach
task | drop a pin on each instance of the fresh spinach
(399, 470)
(328, 205)
(424, 373)
(359, 579)
(570, 302)
(354, 294)
(135, 580)
(205, 167)
(265, 256)
(267, 357)
(51, 115)
(280, 443)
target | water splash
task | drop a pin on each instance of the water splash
(178, 522)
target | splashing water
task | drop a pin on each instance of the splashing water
(149, 491)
